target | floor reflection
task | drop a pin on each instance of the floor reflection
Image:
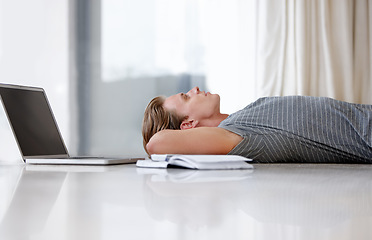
(25, 214)
(119, 202)
(318, 196)
(192, 197)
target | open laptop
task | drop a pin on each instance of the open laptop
(36, 130)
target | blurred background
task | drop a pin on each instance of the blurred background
(101, 61)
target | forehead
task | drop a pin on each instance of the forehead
(173, 102)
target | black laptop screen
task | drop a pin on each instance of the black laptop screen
(32, 122)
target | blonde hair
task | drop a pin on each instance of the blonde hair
(156, 118)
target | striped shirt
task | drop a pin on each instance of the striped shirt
(303, 129)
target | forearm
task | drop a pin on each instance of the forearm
(204, 140)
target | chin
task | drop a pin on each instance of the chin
(217, 99)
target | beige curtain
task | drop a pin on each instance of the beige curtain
(314, 47)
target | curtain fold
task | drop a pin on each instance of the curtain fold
(318, 48)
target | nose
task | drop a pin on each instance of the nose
(195, 90)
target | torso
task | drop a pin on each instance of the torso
(303, 129)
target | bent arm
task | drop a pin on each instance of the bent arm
(201, 140)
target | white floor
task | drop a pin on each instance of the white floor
(124, 202)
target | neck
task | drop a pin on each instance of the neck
(214, 121)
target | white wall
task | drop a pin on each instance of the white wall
(34, 51)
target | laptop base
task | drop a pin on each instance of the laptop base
(81, 161)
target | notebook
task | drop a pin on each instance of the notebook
(36, 131)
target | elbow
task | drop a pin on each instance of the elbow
(160, 143)
(150, 148)
(154, 146)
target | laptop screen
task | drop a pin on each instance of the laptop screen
(32, 121)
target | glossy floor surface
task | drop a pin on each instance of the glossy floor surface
(125, 202)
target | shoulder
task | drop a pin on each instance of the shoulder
(201, 140)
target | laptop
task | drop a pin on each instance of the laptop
(36, 131)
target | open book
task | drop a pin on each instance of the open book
(196, 161)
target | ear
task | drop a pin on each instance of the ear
(187, 124)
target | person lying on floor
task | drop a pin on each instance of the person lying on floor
(299, 129)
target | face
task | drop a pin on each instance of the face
(197, 105)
